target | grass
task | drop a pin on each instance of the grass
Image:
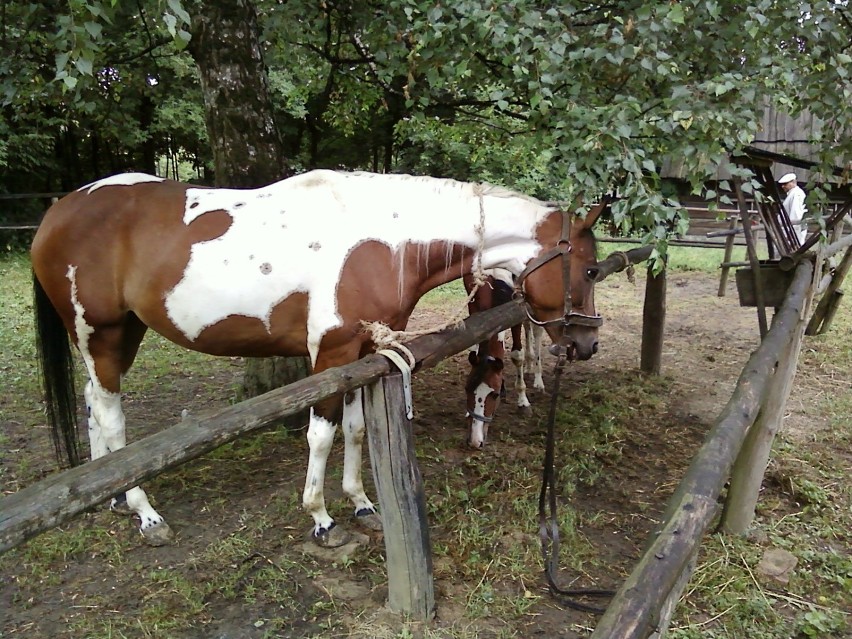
(243, 560)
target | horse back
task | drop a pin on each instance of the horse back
(101, 248)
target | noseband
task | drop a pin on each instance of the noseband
(563, 248)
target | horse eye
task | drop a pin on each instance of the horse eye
(592, 273)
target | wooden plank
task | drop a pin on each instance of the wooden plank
(691, 509)
(402, 500)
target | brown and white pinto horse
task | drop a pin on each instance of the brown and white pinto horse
(289, 269)
(485, 386)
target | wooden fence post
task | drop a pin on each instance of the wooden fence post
(653, 323)
(402, 500)
(824, 312)
(729, 252)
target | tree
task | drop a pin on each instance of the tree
(573, 99)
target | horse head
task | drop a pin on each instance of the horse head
(483, 389)
(567, 313)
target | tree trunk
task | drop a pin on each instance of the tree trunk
(247, 147)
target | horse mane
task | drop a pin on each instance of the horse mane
(470, 189)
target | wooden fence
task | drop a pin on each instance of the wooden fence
(643, 605)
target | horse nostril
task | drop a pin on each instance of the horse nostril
(594, 348)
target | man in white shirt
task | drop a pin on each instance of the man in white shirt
(794, 204)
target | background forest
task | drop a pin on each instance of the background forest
(556, 100)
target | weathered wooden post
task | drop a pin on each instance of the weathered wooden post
(402, 500)
(653, 322)
(753, 458)
(729, 252)
(824, 312)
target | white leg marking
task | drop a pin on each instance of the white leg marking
(353, 435)
(106, 413)
(320, 438)
(520, 384)
(479, 428)
(97, 445)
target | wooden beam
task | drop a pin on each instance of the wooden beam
(752, 258)
(620, 260)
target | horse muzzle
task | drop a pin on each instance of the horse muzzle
(574, 350)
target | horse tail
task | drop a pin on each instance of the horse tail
(56, 365)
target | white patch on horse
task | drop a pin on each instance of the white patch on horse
(122, 179)
(345, 210)
(81, 329)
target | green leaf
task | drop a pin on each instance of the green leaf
(676, 14)
(177, 8)
(84, 65)
(62, 60)
(94, 29)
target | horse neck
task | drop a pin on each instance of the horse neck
(494, 231)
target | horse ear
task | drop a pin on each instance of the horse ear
(594, 213)
(473, 358)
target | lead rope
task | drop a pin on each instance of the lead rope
(549, 529)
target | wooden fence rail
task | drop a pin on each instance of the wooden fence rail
(636, 610)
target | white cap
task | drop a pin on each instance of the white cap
(787, 177)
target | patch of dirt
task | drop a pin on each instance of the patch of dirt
(220, 501)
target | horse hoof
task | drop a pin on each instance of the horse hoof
(370, 521)
(334, 537)
(525, 410)
(158, 534)
(119, 505)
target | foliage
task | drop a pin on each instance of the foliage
(560, 101)
(608, 94)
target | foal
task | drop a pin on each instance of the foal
(485, 386)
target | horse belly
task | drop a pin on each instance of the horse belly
(284, 334)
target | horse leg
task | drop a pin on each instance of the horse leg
(353, 433)
(106, 419)
(534, 336)
(324, 418)
(517, 356)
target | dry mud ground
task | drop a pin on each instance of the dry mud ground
(239, 570)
